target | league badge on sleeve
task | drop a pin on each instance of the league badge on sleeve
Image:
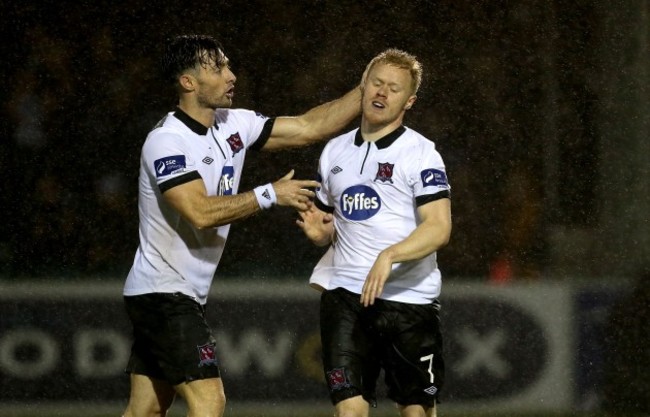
(169, 165)
(434, 178)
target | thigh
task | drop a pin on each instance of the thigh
(149, 396)
(355, 406)
(204, 397)
(413, 357)
(350, 364)
(172, 340)
(417, 411)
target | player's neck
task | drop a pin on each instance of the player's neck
(373, 132)
(203, 115)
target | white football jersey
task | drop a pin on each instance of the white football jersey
(374, 189)
(174, 256)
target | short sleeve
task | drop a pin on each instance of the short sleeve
(430, 176)
(167, 159)
(252, 128)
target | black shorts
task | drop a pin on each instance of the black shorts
(402, 339)
(171, 339)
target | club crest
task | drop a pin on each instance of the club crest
(337, 379)
(207, 355)
(235, 143)
(385, 172)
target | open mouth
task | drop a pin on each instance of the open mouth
(378, 105)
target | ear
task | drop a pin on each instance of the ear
(410, 102)
(187, 82)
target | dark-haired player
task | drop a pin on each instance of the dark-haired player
(190, 168)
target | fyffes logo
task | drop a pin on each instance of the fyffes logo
(227, 181)
(360, 202)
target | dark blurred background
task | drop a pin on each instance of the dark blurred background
(539, 108)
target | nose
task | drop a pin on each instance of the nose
(231, 76)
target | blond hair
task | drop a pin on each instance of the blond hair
(400, 59)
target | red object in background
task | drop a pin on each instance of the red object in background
(501, 270)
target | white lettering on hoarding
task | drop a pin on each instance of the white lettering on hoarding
(254, 345)
(28, 353)
(114, 345)
(43, 353)
(482, 352)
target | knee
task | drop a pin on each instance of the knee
(212, 404)
(213, 407)
(352, 407)
(151, 411)
(156, 406)
(218, 403)
(344, 412)
(417, 411)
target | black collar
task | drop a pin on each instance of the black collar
(384, 142)
(194, 126)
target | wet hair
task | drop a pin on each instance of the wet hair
(186, 52)
(400, 59)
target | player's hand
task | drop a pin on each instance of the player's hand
(375, 280)
(294, 193)
(364, 77)
(317, 225)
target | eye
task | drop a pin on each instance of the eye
(214, 68)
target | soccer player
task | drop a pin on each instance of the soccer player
(190, 169)
(384, 205)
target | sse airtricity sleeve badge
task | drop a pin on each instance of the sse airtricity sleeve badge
(434, 178)
(169, 165)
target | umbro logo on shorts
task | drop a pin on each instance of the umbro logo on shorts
(207, 160)
(431, 390)
(336, 170)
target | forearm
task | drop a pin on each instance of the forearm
(423, 241)
(333, 116)
(319, 123)
(221, 210)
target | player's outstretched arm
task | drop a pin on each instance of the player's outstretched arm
(192, 201)
(319, 123)
(201, 210)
